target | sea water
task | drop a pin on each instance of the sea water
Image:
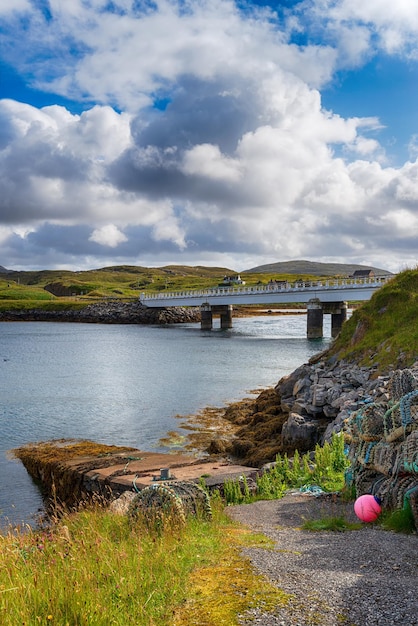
(125, 384)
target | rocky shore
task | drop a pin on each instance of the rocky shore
(110, 312)
(378, 414)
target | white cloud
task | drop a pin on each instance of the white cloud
(108, 235)
(238, 161)
(356, 24)
(207, 160)
(7, 7)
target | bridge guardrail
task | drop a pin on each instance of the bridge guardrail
(331, 284)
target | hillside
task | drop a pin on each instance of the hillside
(314, 268)
(383, 332)
(126, 282)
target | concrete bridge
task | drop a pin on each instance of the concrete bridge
(321, 297)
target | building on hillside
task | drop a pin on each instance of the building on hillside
(363, 274)
(229, 281)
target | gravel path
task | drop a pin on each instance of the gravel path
(367, 577)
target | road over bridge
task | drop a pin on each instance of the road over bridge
(322, 296)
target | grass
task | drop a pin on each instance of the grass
(383, 331)
(93, 568)
(399, 521)
(37, 289)
(335, 524)
(326, 472)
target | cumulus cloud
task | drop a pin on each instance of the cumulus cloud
(208, 142)
(108, 235)
(358, 28)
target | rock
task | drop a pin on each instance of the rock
(300, 433)
(120, 506)
(107, 312)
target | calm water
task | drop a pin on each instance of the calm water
(124, 384)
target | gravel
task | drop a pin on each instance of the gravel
(363, 577)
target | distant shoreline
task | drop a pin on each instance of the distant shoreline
(129, 313)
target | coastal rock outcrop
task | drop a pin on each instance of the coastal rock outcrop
(106, 312)
(305, 408)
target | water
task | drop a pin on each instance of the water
(124, 384)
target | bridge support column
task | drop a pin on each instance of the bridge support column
(206, 317)
(338, 312)
(226, 316)
(315, 319)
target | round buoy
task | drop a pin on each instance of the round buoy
(367, 508)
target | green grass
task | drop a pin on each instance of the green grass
(326, 472)
(21, 290)
(93, 568)
(334, 524)
(383, 332)
(400, 521)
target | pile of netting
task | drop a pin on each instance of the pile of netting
(383, 449)
(170, 502)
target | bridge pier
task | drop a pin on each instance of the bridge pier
(316, 310)
(225, 313)
(338, 312)
(206, 317)
(315, 321)
(207, 312)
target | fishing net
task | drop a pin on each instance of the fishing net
(384, 445)
(170, 503)
(369, 422)
(401, 383)
(384, 457)
(408, 454)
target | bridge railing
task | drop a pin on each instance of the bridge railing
(297, 286)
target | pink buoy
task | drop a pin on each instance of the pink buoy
(367, 508)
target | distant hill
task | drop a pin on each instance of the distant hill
(3, 270)
(313, 268)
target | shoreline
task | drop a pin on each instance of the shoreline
(114, 312)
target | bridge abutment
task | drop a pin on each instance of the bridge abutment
(225, 313)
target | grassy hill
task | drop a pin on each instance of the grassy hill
(384, 331)
(314, 268)
(43, 288)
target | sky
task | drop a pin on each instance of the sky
(208, 132)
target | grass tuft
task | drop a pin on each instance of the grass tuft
(335, 524)
(399, 521)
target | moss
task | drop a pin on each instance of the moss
(219, 594)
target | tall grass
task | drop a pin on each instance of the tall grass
(96, 568)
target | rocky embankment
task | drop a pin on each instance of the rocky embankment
(377, 413)
(305, 408)
(106, 313)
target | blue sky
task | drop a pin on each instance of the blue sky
(208, 132)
